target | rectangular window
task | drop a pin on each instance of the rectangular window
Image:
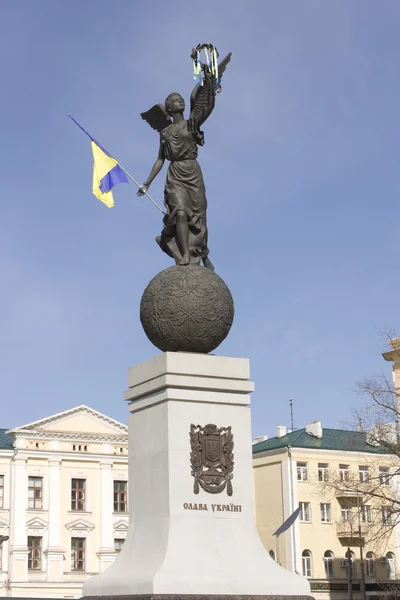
(35, 488)
(386, 516)
(305, 512)
(322, 471)
(363, 473)
(384, 476)
(35, 553)
(302, 471)
(346, 515)
(78, 494)
(325, 513)
(1, 491)
(118, 543)
(120, 496)
(344, 473)
(78, 554)
(366, 514)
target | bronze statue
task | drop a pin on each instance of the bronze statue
(184, 236)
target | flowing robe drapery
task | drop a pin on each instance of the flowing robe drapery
(184, 191)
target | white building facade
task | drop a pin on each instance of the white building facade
(63, 502)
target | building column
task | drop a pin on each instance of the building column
(106, 553)
(290, 503)
(54, 552)
(18, 538)
(393, 356)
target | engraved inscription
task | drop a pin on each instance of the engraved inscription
(215, 507)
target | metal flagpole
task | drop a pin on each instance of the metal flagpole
(140, 187)
(121, 167)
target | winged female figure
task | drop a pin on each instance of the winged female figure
(184, 236)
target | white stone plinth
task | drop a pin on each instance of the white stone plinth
(172, 548)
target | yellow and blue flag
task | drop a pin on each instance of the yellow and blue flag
(106, 171)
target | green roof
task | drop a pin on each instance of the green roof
(5, 440)
(332, 439)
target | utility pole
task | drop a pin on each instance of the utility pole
(291, 413)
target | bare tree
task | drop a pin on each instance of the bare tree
(370, 498)
(378, 419)
(367, 499)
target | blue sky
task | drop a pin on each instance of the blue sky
(301, 168)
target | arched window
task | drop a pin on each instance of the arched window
(306, 561)
(370, 565)
(391, 565)
(328, 563)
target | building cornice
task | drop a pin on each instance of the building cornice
(82, 409)
(394, 353)
(36, 523)
(72, 436)
(121, 526)
(47, 455)
(299, 450)
(276, 452)
(6, 453)
(81, 525)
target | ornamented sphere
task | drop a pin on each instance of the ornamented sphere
(186, 309)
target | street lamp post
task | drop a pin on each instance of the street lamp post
(360, 539)
(362, 572)
(349, 575)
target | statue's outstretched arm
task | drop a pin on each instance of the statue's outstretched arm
(158, 165)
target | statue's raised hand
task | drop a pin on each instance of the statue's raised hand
(143, 189)
(202, 100)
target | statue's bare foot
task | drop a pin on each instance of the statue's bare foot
(208, 264)
(185, 260)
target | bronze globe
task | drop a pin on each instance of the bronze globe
(187, 309)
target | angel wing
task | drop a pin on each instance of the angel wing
(202, 100)
(157, 117)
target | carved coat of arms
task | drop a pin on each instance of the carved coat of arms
(211, 458)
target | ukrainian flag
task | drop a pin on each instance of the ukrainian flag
(106, 171)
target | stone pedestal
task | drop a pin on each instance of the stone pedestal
(182, 543)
